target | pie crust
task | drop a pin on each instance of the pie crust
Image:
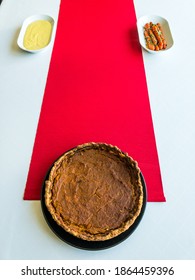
(94, 191)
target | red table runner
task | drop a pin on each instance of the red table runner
(96, 91)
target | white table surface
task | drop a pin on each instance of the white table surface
(167, 230)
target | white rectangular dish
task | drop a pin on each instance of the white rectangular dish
(39, 29)
(165, 27)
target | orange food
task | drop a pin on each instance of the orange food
(154, 37)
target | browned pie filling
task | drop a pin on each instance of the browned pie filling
(94, 191)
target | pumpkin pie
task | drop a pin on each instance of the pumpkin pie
(94, 191)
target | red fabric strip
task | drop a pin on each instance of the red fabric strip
(96, 91)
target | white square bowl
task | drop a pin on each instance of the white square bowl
(165, 27)
(24, 27)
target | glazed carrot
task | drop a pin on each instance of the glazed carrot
(149, 42)
(162, 36)
(147, 26)
(149, 37)
(152, 36)
(158, 36)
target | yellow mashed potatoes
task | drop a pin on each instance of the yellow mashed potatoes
(37, 35)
